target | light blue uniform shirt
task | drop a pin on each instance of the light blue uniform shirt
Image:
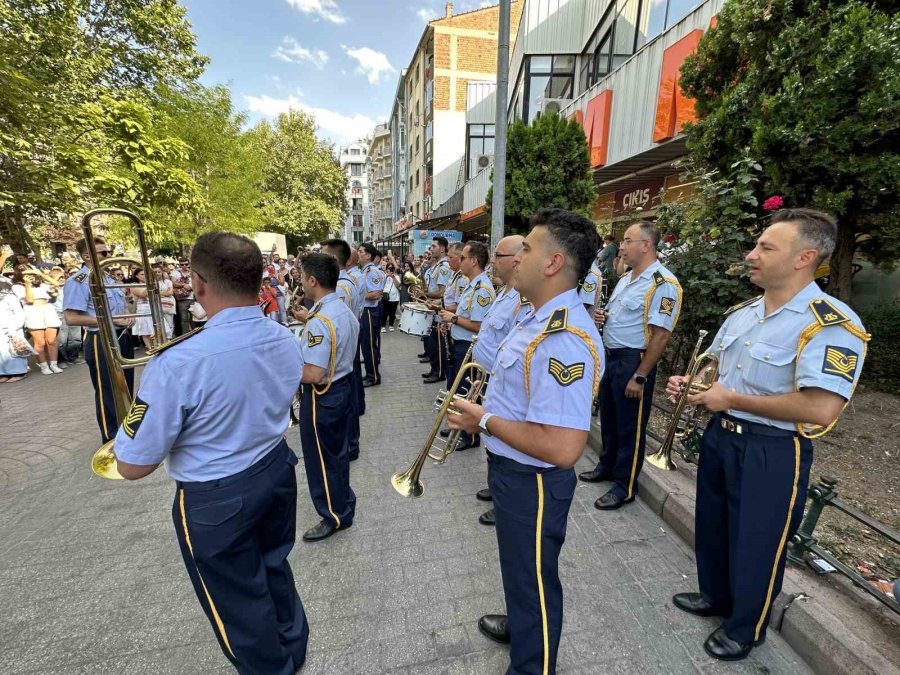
(504, 313)
(438, 275)
(317, 341)
(630, 313)
(591, 284)
(374, 281)
(454, 288)
(474, 303)
(349, 293)
(356, 274)
(561, 376)
(758, 353)
(77, 295)
(217, 402)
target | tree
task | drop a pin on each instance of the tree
(547, 165)
(811, 90)
(303, 180)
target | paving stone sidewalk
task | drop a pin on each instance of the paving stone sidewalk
(91, 580)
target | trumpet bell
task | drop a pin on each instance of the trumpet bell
(103, 463)
(404, 484)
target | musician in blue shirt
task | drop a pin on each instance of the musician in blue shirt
(370, 322)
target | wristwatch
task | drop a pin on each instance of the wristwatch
(454, 318)
(640, 379)
(482, 423)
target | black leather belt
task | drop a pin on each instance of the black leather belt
(738, 426)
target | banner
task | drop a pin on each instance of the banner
(421, 239)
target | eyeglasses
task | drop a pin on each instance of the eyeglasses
(628, 240)
(505, 255)
(103, 253)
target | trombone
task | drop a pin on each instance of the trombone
(408, 483)
(702, 371)
(103, 463)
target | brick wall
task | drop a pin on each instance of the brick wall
(476, 54)
(442, 51)
(442, 92)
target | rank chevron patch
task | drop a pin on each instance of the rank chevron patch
(135, 416)
(564, 374)
(840, 361)
(313, 340)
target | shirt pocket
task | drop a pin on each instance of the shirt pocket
(496, 323)
(768, 368)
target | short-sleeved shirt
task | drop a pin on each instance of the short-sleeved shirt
(331, 332)
(651, 299)
(504, 313)
(348, 293)
(438, 275)
(356, 274)
(77, 292)
(216, 402)
(373, 281)
(454, 288)
(758, 353)
(561, 349)
(590, 287)
(474, 303)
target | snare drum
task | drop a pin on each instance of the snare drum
(416, 319)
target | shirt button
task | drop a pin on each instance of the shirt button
(747, 343)
(762, 320)
(739, 366)
(721, 345)
(767, 357)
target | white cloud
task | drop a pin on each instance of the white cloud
(426, 14)
(320, 9)
(290, 51)
(372, 64)
(340, 128)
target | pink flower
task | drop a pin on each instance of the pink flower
(773, 203)
(670, 238)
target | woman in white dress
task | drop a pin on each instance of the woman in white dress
(143, 325)
(166, 299)
(12, 319)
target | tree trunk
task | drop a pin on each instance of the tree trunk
(841, 276)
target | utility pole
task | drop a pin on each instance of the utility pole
(498, 203)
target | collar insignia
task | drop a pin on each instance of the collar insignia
(81, 276)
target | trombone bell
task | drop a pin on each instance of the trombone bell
(103, 463)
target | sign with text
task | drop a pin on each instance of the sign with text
(421, 239)
(644, 196)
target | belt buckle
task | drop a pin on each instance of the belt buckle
(732, 426)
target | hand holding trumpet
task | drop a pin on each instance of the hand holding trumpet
(715, 399)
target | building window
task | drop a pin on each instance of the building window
(354, 151)
(480, 142)
(547, 77)
(356, 169)
(417, 178)
(356, 203)
(357, 220)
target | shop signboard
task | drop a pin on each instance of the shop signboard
(421, 239)
(643, 196)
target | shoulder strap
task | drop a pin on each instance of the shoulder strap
(174, 341)
(558, 323)
(741, 305)
(659, 280)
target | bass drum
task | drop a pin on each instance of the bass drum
(416, 319)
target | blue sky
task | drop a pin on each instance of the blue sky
(338, 59)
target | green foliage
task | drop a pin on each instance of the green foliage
(882, 368)
(547, 165)
(811, 89)
(303, 181)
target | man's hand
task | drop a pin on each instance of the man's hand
(715, 399)
(633, 389)
(124, 323)
(301, 314)
(674, 387)
(469, 417)
(446, 316)
(600, 317)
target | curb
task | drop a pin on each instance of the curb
(833, 626)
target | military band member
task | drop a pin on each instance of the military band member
(465, 322)
(641, 315)
(214, 407)
(592, 287)
(350, 295)
(370, 323)
(455, 286)
(78, 307)
(789, 362)
(536, 418)
(506, 311)
(436, 279)
(327, 343)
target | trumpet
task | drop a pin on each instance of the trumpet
(408, 483)
(417, 294)
(702, 371)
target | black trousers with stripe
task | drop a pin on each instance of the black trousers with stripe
(370, 341)
(437, 351)
(531, 506)
(751, 491)
(357, 404)
(235, 535)
(104, 403)
(623, 421)
(325, 437)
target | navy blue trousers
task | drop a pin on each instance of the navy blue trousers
(325, 438)
(460, 347)
(751, 491)
(450, 370)
(531, 506)
(370, 341)
(357, 405)
(623, 421)
(235, 534)
(437, 351)
(104, 403)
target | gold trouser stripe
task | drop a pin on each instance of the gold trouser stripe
(212, 606)
(637, 446)
(537, 562)
(100, 388)
(372, 345)
(322, 461)
(787, 526)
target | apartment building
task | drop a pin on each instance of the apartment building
(380, 179)
(358, 225)
(397, 122)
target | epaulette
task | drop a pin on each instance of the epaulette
(81, 277)
(826, 313)
(740, 305)
(557, 321)
(658, 278)
(523, 300)
(173, 342)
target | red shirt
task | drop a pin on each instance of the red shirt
(268, 300)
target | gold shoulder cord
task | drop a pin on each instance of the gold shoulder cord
(648, 299)
(331, 362)
(533, 345)
(814, 430)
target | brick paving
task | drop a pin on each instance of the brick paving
(91, 580)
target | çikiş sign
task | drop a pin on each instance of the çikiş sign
(643, 196)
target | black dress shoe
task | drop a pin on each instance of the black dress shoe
(424, 359)
(473, 443)
(370, 382)
(484, 495)
(719, 646)
(694, 603)
(611, 501)
(595, 476)
(421, 356)
(430, 373)
(321, 531)
(432, 379)
(444, 433)
(493, 627)
(353, 455)
(488, 518)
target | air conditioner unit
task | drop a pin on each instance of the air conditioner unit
(482, 162)
(554, 104)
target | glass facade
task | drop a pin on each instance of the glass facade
(546, 77)
(480, 142)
